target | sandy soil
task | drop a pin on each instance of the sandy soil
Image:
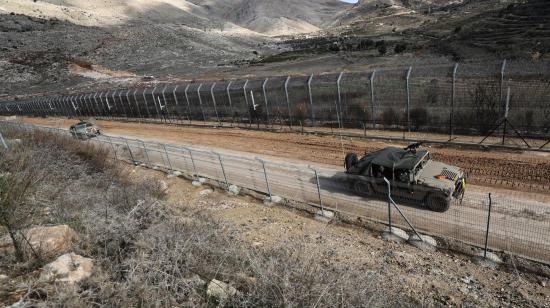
(521, 172)
(432, 278)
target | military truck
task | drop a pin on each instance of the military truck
(84, 130)
(413, 175)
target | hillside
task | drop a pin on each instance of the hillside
(264, 16)
(87, 44)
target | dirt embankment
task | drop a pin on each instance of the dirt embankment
(517, 171)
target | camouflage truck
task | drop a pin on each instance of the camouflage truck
(413, 175)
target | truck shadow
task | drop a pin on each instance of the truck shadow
(338, 184)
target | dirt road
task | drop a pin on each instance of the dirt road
(519, 224)
(521, 172)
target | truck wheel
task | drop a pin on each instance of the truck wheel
(437, 203)
(362, 188)
(350, 161)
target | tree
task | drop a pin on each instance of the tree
(19, 173)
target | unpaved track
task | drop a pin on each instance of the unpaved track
(517, 171)
(518, 225)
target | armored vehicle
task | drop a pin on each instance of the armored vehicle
(84, 130)
(413, 175)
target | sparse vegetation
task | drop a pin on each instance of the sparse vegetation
(149, 253)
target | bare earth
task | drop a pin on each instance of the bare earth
(520, 172)
(433, 278)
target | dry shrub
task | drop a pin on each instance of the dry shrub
(146, 254)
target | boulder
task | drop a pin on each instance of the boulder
(491, 260)
(324, 216)
(46, 240)
(427, 243)
(163, 186)
(69, 268)
(220, 290)
(174, 174)
(273, 200)
(234, 190)
(396, 235)
(205, 192)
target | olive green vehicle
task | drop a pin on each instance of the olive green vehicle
(84, 130)
(412, 173)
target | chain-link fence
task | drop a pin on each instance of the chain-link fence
(519, 223)
(501, 103)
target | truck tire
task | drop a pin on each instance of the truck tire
(362, 188)
(437, 202)
(350, 161)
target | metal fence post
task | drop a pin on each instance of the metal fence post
(196, 175)
(288, 101)
(166, 113)
(453, 101)
(318, 183)
(113, 146)
(214, 101)
(487, 229)
(3, 141)
(265, 99)
(200, 102)
(146, 105)
(247, 104)
(266, 180)
(177, 103)
(389, 203)
(409, 100)
(155, 102)
(223, 169)
(502, 72)
(188, 103)
(341, 122)
(167, 157)
(310, 79)
(146, 153)
(130, 151)
(372, 98)
(230, 102)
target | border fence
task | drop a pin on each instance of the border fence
(501, 222)
(495, 103)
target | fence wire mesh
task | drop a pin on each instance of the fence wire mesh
(462, 102)
(519, 225)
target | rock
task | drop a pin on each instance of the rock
(273, 200)
(396, 235)
(324, 216)
(45, 240)
(206, 192)
(196, 282)
(3, 278)
(174, 174)
(163, 186)
(428, 243)
(202, 180)
(196, 183)
(491, 261)
(155, 167)
(234, 190)
(70, 268)
(221, 291)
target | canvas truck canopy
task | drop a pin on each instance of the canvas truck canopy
(394, 158)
